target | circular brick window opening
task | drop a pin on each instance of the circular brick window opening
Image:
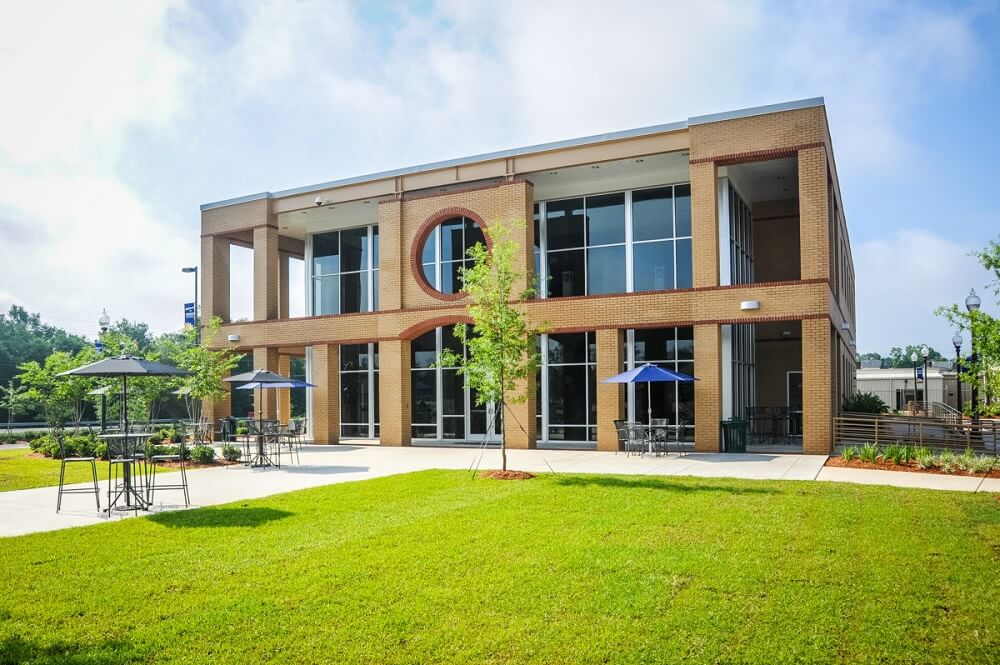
(442, 250)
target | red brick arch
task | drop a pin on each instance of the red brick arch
(418, 329)
(421, 237)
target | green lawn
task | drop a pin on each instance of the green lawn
(437, 567)
(18, 471)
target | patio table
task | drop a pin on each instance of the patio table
(125, 456)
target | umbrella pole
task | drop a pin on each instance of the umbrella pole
(124, 404)
(649, 408)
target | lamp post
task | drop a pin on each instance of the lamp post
(913, 359)
(972, 303)
(957, 343)
(197, 319)
(103, 323)
(925, 352)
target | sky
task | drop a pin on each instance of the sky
(121, 118)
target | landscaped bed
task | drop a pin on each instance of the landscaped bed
(439, 566)
(899, 457)
(22, 469)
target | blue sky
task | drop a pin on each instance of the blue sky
(127, 116)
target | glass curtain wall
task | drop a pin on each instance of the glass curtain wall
(567, 388)
(740, 238)
(359, 414)
(744, 368)
(671, 348)
(637, 240)
(443, 409)
(344, 267)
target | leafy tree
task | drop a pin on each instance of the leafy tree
(61, 398)
(501, 352)
(900, 358)
(983, 367)
(14, 400)
(134, 330)
(208, 366)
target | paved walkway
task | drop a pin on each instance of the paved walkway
(30, 511)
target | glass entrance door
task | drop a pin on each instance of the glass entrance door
(482, 420)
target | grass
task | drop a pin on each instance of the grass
(436, 567)
(18, 471)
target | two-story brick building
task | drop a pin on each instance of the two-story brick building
(716, 246)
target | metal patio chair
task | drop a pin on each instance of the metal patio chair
(155, 462)
(62, 475)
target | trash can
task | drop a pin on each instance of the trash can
(734, 435)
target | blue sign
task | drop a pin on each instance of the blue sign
(99, 345)
(920, 373)
(189, 313)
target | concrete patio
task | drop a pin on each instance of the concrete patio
(33, 510)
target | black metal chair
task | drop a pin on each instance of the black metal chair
(62, 474)
(289, 436)
(156, 461)
(622, 435)
(123, 454)
(637, 441)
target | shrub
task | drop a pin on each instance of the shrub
(865, 403)
(101, 450)
(973, 463)
(893, 453)
(925, 458)
(203, 454)
(868, 453)
(155, 440)
(241, 430)
(30, 436)
(849, 453)
(231, 452)
(946, 461)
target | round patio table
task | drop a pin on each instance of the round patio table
(123, 454)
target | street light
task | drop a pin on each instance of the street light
(925, 352)
(913, 359)
(972, 303)
(957, 343)
(103, 322)
(197, 319)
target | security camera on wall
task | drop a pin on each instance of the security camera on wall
(319, 200)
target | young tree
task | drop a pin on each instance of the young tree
(61, 398)
(501, 351)
(14, 400)
(208, 367)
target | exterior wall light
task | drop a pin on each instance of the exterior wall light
(233, 338)
(749, 305)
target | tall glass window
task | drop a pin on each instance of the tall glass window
(445, 251)
(345, 271)
(740, 238)
(672, 348)
(567, 388)
(442, 408)
(359, 415)
(614, 243)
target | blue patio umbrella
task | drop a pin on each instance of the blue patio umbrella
(647, 374)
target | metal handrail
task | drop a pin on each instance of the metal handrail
(858, 429)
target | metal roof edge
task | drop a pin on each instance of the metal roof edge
(757, 110)
(238, 199)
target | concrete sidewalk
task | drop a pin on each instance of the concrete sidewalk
(30, 511)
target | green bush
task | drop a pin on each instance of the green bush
(947, 461)
(925, 458)
(868, 453)
(203, 454)
(865, 403)
(155, 440)
(231, 452)
(241, 430)
(101, 450)
(849, 453)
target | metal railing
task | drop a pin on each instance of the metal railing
(852, 429)
(939, 410)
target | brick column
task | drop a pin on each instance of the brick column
(393, 259)
(394, 392)
(520, 425)
(326, 394)
(214, 278)
(516, 202)
(284, 394)
(817, 386)
(283, 260)
(814, 214)
(704, 225)
(708, 387)
(610, 396)
(265, 273)
(266, 358)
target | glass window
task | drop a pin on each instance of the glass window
(606, 270)
(653, 266)
(652, 214)
(566, 270)
(682, 205)
(564, 223)
(605, 219)
(684, 280)
(445, 252)
(342, 270)
(423, 350)
(671, 348)
(359, 390)
(568, 377)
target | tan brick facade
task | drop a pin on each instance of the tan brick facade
(407, 309)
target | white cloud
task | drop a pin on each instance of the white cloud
(901, 279)
(327, 90)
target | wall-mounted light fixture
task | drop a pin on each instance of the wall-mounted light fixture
(750, 305)
(233, 338)
(845, 326)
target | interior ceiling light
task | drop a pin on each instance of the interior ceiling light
(595, 166)
(638, 161)
(553, 172)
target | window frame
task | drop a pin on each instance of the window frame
(369, 274)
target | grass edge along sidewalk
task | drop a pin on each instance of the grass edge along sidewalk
(436, 566)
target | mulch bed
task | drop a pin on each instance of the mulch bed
(507, 475)
(169, 465)
(912, 467)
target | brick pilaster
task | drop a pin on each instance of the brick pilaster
(818, 386)
(266, 358)
(394, 393)
(708, 387)
(610, 396)
(265, 273)
(519, 421)
(393, 263)
(814, 214)
(283, 261)
(326, 394)
(704, 225)
(214, 278)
